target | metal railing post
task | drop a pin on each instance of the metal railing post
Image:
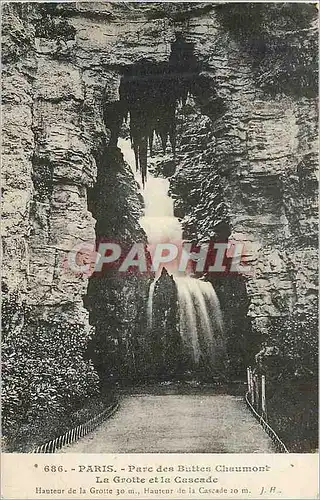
(249, 380)
(256, 390)
(263, 396)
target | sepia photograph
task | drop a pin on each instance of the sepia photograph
(159, 237)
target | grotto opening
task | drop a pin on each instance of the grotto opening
(149, 94)
(184, 337)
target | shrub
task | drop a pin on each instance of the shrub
(45, 377)
(289, 359)
(295, 340)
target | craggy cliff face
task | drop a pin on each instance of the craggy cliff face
(246, 147)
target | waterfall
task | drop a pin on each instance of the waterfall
(200, 318)
(201, 325)
(188, 318)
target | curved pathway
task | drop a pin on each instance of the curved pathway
(177, 424)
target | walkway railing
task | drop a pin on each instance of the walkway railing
(257, 402)
(74, 434)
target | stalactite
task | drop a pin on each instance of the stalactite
(150, 94)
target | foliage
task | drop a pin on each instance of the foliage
(292, 408)
(294, 339)
(45, 377)
(289, 359)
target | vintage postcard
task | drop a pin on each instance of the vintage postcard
(160, 250)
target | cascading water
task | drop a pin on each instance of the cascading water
(200, 318)
(201, 325)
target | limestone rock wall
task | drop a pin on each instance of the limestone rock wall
(18, 146)
(253, 168)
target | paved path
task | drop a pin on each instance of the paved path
(177, 424)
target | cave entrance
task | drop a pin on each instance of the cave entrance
(153, 96)
(149, 95)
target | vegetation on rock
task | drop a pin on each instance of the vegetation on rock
(45, 377)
